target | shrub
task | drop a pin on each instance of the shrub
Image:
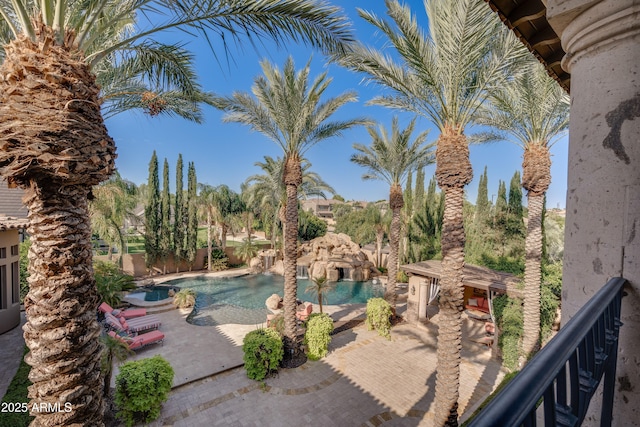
(318, 335)
(24, 269)
(511, 330)
(141, 388)
(402, 277)
(219, 260)
(111, 282)
(379, 316)
(184, 298)
(263, 352)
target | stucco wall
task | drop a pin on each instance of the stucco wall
(10, 314)
(602, 40)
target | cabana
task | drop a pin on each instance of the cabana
(481, 285)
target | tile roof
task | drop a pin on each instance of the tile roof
(11, 201)
(8, 223)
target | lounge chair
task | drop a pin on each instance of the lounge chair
(304, 310)
(137, 324)
(139, 341)
(129, 313)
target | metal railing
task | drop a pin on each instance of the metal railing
(556, 386)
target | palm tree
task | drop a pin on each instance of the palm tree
(207, 209)
(320, 287)
(390, 158)
(112, 203)
(443, 75)
(268, 191)
(114, 350)
(55, 145)
(288, 110)
(534, 110)
(227, 205)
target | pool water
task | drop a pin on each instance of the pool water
(153, 293)
(242, 299)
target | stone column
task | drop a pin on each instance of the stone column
(602, 235)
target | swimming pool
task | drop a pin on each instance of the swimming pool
(242, 299)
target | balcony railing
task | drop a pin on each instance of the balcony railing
(556, 386)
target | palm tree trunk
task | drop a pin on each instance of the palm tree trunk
(532, 275)
(55, 146)
(453, 172)
(209, 240)
(395, 203)
(292, 179)
(451, 301)
(379, 237)
(61, 330)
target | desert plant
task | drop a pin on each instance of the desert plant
(263, 352)
(184, 298)
(141, 388)
(318, 335)
(111, 282)
(379, 316)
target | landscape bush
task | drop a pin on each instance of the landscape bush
(219, 260)
(318, 335)
(379, 316)
(185, 298)
(510, 319)
(277, 323)
(141, 388)
(402, 277)
(263, 352)
(111, 282)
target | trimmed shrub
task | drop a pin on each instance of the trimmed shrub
(511, 330)
(263, 352)
(141, 388)
(219, 260)
(379, 316)
(318, 335)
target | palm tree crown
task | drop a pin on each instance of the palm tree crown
(392, 155)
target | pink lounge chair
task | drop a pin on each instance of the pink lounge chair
(139, 341)
(129, 313)
(138, 324)
(304, 310)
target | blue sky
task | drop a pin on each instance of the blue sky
(225, 153)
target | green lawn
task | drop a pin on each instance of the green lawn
(17, 393)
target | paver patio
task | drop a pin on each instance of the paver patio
(366, 380)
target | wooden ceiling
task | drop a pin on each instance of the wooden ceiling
(528, 20)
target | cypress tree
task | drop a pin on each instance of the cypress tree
(165, 209)
(418, 199)
(482, 201)
(179, 223)
(408, 196)
(515, 196)
(501, 201)
(191, 240)
(152, 214)
(431, 195)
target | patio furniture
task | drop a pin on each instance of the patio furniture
(137, 324)
(478, 304)
(138, 341)
(129, 313)
(304, 310)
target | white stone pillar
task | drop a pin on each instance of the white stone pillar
(602, 235)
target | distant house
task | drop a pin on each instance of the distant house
(13, 222)
(320, 207)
